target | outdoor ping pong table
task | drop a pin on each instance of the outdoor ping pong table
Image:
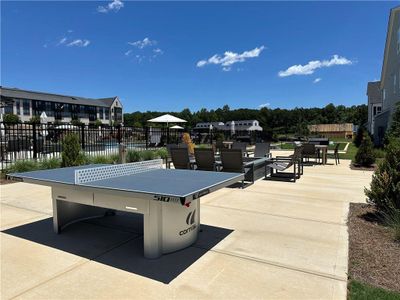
(169, 199)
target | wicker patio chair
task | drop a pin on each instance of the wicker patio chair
(334, 153)
(180, 158)
(262, 150)
(232, 161)
(205, 159)
(240, 146)
(309, 151)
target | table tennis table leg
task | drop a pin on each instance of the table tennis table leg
(152, 237)
(66, 213)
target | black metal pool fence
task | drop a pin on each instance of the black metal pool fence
(27, 141)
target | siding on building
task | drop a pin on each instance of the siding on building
(390, 76)
(27, 104)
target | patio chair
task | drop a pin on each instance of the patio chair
(241, 146)
(334, 153)
(205, 159)
(168, 160)
(232, 161)
(309, 151)
(283, 163)
(262, 150)
(180, 158)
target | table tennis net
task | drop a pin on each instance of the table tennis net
(112, 171)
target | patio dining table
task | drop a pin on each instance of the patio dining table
(324, 150)
(255, 167)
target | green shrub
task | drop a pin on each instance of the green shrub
(365, 155)
(379, 153)
(114, 158)
(11, 118)
(50, 163)
(98, 123)
(132, 156)
(101, 159)
(76, 122)
(35, 119)
(162, 153)
(361, 133)
(385, 186)
(71, 154)
(147, 155)
(23, 166)
(392, 219)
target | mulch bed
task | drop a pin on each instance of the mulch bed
(6, 181)
(374, 257)
(361, 168)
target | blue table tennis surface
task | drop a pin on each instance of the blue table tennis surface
(179, 183)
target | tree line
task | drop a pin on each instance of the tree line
(275, 120)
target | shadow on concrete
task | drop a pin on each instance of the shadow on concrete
(117, 241)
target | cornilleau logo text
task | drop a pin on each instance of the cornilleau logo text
(190, 220)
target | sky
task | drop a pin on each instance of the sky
(167, 56)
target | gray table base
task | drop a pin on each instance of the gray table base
(168, 225)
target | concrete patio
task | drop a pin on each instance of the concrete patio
(272, 240)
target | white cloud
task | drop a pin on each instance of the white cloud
(62, 41)
(316, 80)
(311, 66)
(79, 43)
(70, 31)
(115, 5)
(158, 51)
(229, 58)
(127, 53)
(146, 42)
(264, 105)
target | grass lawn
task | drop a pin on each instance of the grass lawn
(351, 152)
(362, 291)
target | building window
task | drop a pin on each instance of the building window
(26, 107)
(107, 113)
(18, 107)
(66, 111)
(9, 108)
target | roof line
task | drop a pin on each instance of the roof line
(388, 35)
(53, 94)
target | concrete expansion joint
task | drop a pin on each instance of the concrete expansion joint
(28, 209)
(278, 216)
(279, 265)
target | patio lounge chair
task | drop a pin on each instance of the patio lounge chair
(334, 153)
(205, 159)
(180, 158)
(283, 163)
(262, 150)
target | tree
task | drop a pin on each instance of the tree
(360, 134)
(385, 186)
(11, 118)
(365, 155)
(71, 154)
(394, 130)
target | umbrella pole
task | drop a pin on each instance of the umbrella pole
(167, 133)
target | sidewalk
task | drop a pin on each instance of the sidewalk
(272, 240)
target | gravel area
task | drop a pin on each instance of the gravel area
(374, 257)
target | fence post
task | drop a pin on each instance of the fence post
(119, 137)
(34, 140)
(146, 135)
(83, 136)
